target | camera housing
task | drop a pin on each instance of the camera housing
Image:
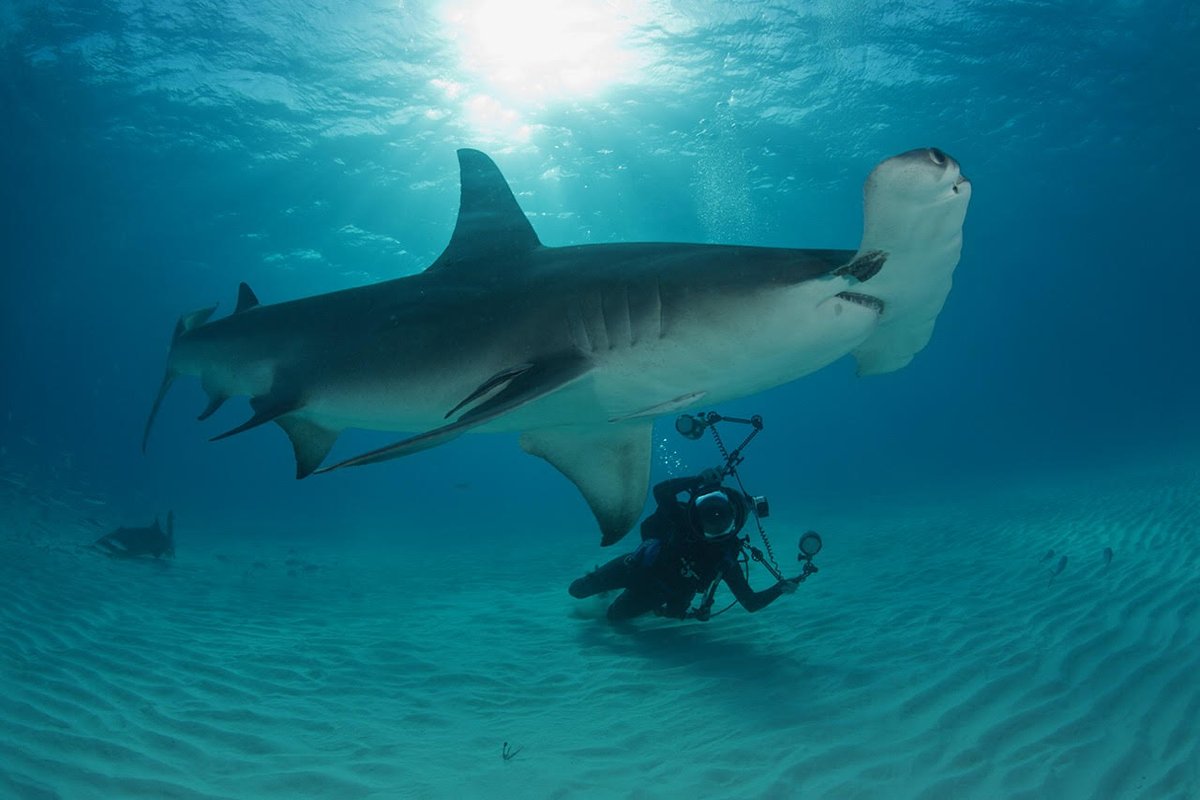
(762, 508)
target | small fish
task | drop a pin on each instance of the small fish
(1049, 555)
(1058, 568)
(1108, 554)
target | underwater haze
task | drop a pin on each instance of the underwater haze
(1008, 602)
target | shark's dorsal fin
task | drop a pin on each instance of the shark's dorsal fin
(246, 298)
(490, 224)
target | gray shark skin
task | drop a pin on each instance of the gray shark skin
(151, 540)
(579, 348)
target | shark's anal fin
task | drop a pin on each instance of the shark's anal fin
(609, 464)
(185, 323)
(523, 387)
(310, 442)
(267, 408)
(246, 298)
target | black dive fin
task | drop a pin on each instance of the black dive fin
(490, 223)
(610, 465)
(186, 323)
(246, 299)
(310, 442)
(524, 387)
(266, 409)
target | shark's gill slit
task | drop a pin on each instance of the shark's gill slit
(578, 326)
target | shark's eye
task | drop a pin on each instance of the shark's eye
(937, 157)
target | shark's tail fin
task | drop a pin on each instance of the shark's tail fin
(186, 323)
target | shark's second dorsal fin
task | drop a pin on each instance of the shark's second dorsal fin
(246, 298)
(490, 224)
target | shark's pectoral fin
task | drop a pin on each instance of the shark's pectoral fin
(310, 442)
(610, 465)
(267, 408)
(521, 386)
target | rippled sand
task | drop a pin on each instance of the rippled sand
(932, 657)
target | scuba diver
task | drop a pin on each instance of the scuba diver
(689, 546)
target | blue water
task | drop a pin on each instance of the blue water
(153, 155)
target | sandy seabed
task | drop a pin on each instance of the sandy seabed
(934, 656)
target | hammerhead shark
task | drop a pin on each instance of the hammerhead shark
(151, 540)
(579, 348)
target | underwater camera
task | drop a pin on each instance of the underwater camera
(761, 507)
(692, 426)
(810, 545)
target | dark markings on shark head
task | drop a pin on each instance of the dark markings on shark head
(579, 348)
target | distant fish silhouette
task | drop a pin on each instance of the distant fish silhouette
(1049, 555)
(1108, 554)
(133, 542)
(1058, 568)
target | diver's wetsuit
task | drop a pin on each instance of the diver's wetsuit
(672, 565)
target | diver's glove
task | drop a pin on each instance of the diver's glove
(702, 614)
(788, 585)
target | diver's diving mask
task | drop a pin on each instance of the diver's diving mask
(715, 514)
